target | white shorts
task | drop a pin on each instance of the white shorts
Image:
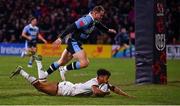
(65, 88)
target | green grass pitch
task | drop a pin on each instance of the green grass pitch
(19, 91)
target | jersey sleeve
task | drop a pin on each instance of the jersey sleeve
(94, 82)
(82, 22)
(25, 30)
(68, 30)
(100, 26)
(38, 31)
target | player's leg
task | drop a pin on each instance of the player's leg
(75, 48)
(19, 70)
(32, 51)
(41, 74)
(79, 54)
(65, 58)
(48, 88)
(81, 63)
(25, 51)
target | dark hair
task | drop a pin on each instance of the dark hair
(98, 8)
(103, 72)
(32, 18)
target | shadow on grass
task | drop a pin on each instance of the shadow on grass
(8, 96)
(169, 82)
(175, 83)
(20, 95)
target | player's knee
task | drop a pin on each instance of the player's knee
(62, 62)
(32, 52)
(38, 86)
(84, 64)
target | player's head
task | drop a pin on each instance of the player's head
(103, 75)
(98, 12)
(33, 21)
(123, 30)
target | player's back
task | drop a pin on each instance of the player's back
(85, 25)
(85, 88)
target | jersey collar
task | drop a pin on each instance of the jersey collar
(91, 16)
(96, 80)
(31, 26)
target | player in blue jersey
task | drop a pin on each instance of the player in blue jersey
(31, 34)
(80, 30)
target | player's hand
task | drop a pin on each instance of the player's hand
(112, 31)
(29, 38)
(45, 42)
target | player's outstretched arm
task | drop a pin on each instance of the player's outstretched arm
(102, 27)
(98, 92)
(119, 91)
(41, 38)
(112, 31)
(68, 30)
(58, 41)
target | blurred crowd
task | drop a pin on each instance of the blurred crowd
(173, 21)
(55, 15)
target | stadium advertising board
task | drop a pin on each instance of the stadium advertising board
(173, 51)
(98, 51)
(95, 51)
(122, 52)
(11, 48)
(50, 50)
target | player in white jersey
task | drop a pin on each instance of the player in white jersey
(67, 88)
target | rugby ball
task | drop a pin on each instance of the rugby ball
(104, 87)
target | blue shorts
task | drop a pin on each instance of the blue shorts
(31, 43)
(73, 46)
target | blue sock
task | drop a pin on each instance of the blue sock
(77, 65)
(54, 66)
(74, 66)
(30, 61)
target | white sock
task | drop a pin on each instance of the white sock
(31, 79)
(41, 73)
(65, 68)
(22, 54)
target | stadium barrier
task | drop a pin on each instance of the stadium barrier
(173, 51)
(121, 52)
(93, 51)
(12, 49)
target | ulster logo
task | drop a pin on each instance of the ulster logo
(160, 41)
